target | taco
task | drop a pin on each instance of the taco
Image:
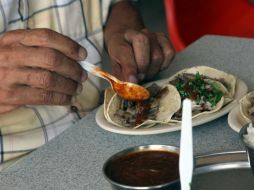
(159, 108)
(247, 107)
(109, 93)
(226, 79)
(208, 89)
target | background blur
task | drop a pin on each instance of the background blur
(153, 14)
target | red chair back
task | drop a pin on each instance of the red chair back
(188, 20)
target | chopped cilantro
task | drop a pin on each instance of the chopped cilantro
(196, 88)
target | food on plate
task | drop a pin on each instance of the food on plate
(209, 89)
(247, 107)
(164, 101)
(109, 93)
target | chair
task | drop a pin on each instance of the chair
(188, 20)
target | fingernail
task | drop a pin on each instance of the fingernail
(73, 99)
(79, 89)
(82, 53)
(133, 79)
(84, 76)
(141, 76)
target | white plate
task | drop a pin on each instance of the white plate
(235, 121)
(241, 90)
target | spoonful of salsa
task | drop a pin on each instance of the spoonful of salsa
(126, 90)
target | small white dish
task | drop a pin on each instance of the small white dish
(241, 90)
(235, 121)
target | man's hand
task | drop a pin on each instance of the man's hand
(138, 55)
(39, 67)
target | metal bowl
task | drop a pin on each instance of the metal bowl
(220, 171)
(118, 186)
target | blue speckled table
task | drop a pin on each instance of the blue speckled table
(74, 160)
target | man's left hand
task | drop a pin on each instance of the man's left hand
(139, 55)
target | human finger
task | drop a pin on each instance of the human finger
(46, 38)
(167, 49)
(23, 95)
(141, 48)
(44, 58)
(116, 70)
(7, 108)
(156, 57)
(39, 78)
(123, 56)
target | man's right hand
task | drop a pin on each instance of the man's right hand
(39, 67)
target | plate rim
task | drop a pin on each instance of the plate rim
(234, 122)
(231, 114)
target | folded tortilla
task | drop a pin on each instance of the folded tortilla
(247, 107)
(159, 108)
(108, 94)
(226, 79)
(212, 77)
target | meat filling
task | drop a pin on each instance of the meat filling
(132, 113)
(204, 95)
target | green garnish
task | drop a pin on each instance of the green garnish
(198, 89)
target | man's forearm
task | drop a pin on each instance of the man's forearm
(123, 16)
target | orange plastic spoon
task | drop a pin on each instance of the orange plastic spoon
(126, 90)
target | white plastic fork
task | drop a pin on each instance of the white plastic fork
(186, 147)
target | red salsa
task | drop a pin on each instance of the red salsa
(145, 168)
